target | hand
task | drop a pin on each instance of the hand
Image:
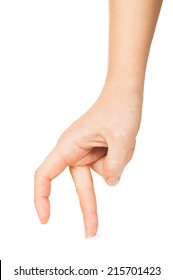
(102, 139)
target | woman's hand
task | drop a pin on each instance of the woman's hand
(102, 139)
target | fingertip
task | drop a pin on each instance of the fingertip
(89, 235)
(91, 226)
(43, 221)
(43, 218)
(112, 181)
(43, 210)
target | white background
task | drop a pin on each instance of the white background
(53, 57)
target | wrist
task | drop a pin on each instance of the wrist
(127, 70)
(121, 82)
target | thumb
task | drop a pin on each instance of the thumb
(114, 162)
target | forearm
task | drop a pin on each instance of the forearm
(131, 27)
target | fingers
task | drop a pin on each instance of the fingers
(84, 187)
(53, 165)
(92, 156)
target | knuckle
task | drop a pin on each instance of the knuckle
(121, 135)
(80, 189)
(123, 139)
(37, 173)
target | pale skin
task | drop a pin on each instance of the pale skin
(104, 137)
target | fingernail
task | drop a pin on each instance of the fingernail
(89, 235)
(43, 221)
(112, 181)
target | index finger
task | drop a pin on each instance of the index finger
(52, 166)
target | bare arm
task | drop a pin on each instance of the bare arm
(131, 28)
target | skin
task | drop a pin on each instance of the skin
(104, 137)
